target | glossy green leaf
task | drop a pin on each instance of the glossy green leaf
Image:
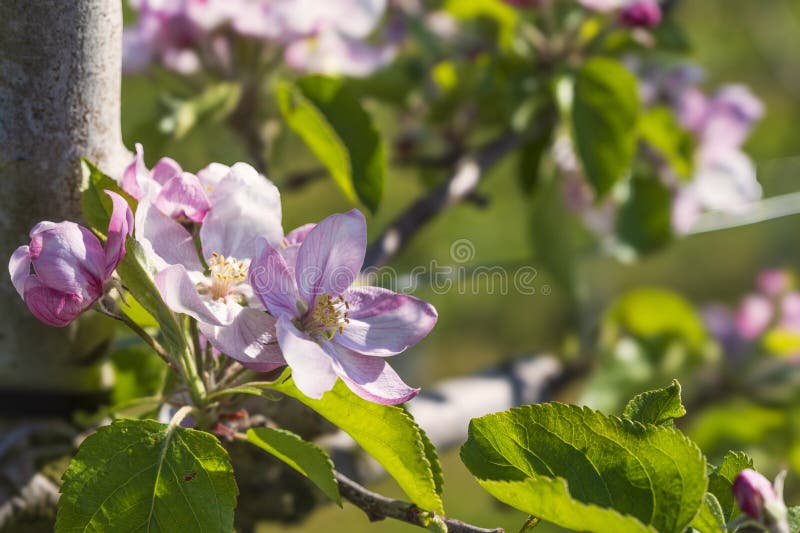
(305, 457)
(710, 518)
(583, 470)
(139, 475)
(644, 220)
(333, 124)
(388, 434)
(605, 109)
(720, 481)
(658, 407)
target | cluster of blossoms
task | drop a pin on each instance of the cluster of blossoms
(328, 37)
(724, 176)
(220, 256)
(632, 13)
(773, 307)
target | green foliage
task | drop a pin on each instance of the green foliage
(710, 518)
(584, 470)
(142, 475)
(794, 519)
(138, 372)
(644, 221)
(330, 120)
(305, 457)
(605, 108)
(213, 105)
(388, 434)
(659, 128)
(720, 482)
(501, 14)
(659, 407)
(95, 203)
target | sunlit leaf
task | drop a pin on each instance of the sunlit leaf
(658, 407)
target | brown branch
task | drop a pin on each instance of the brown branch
(460, 186)
(378, 507)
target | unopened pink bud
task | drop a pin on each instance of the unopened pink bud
(641, 14)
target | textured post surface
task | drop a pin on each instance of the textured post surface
(59, 100)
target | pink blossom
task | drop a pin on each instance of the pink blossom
(70, 265)
(641, 14)
(754, 316)
(175, 193)
(245, 206)
(329, 329)
(774, 282)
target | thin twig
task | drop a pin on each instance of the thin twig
(146, 337)
(378, 507)
(461, 185)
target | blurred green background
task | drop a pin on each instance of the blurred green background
(756, 42)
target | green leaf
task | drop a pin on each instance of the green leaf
(651, 313)
(330, 120)
(500, 13)
(604, 113)
(137, 372)
(95, 203)
(659, 128)
(644, 221)
(388, 434)
(720, 481)
(141, 475)
(213, 105)
(136, 274)
(583, 470)
(658, 407)
(794, 519)
(305, 457)
(530, 158)
(710, 518)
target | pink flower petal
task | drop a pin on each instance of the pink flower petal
(165, 238)
(19, 268)
(135, 176)
(211, 175)
(244, 206)
(68, 258)
(754, 316)
(312, 367)
(164, 170)
(182, 196)
(298, 235)
(120, 225)
(180, 294)
(370, 377)
(331, 255)
(384, 323)
(250, 339)
(53, 307)
(273, 282)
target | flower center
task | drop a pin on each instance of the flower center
(329, 316)
(226, 273)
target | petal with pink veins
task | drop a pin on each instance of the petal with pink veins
(68, 258)
(53, 307)
(331, 255)
(182, 196)
(370, 377)
(312, 367)
(272, 281)
(250, 339)
(164, 170)
(384, 323)
(165, 238)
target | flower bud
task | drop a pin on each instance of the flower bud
(641, 14)
(759, 500)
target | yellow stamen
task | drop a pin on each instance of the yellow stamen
(225, 274)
